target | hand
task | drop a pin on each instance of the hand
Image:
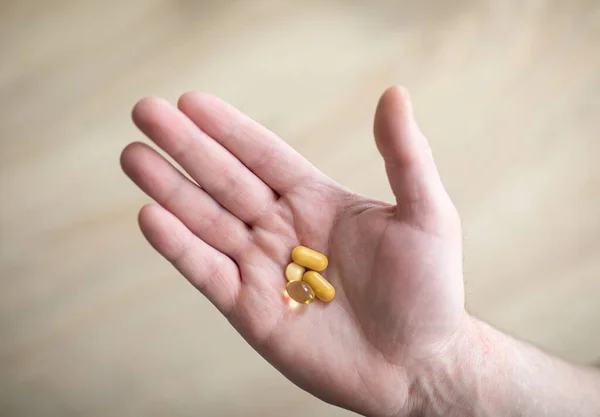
(396, 268)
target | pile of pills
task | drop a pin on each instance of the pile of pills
(305, 281)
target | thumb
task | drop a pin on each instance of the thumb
(408, 160)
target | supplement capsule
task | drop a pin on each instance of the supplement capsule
(322, 288)
(300, 292)
(309, 258)
(294, 272)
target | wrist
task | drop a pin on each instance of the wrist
(469, 377)
(484, 372)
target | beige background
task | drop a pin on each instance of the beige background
(93, 322)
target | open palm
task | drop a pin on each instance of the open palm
(396, 268)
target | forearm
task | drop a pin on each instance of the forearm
(492, 374)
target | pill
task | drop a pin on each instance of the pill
(294, 272)
(300, 291)
(322, 288)
(309, 258)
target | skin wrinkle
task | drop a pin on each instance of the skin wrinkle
(362, 380)
(170, 196)
(218, 272)
(356, 367)
(346, 211)
(215, 226)
(232, 129)
(425, 158)
(263, 213)
(286, 210)
(216, 269)
(300, 233)
(418, 226)
(181, 253)
(227, 181)
(276, 232)
(351, 313)
(262, 243)
(340, 207)
(262, 161)
(265, 343)
(180, 151)
(372, 273)
(244, 292)
(242, 197)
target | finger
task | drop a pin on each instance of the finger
(275, 162)
(217, 171)
(213, 273)
(193, 206)
(406, 152)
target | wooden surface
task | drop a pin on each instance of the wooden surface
(93, 322)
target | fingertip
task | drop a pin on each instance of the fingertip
(152, 222)
(394, 109)
(146, 109)
(139, 163)
(396, 99)
(396, 94)
(187, 98)
(146, 215)
(405, 150)
(394, 127)
(193, 98)
(156, 220)
(140, 107)
(144, 220)
(128, 154)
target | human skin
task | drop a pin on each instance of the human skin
(396, 340)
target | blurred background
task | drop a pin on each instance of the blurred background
(93, 322)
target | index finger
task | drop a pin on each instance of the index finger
(275, 162)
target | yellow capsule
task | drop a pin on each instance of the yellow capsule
(309, 258)
(300, 292)
(294, 272)
(322, 288)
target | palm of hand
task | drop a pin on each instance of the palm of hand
(396, 270)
